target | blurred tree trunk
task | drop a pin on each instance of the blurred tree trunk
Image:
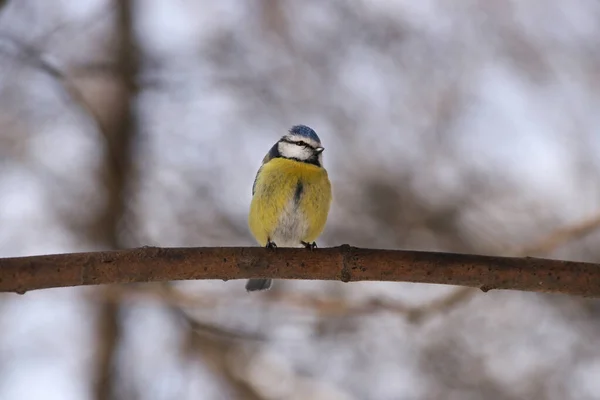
(119, 136)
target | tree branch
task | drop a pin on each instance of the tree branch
(344, 263)
(545, 245)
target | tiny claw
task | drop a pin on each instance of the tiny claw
(310, 246)
(271, 245)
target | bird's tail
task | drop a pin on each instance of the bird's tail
(258, 284)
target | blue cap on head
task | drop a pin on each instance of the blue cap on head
(303, 130)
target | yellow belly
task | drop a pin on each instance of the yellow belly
(290, 203)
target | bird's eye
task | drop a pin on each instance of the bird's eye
(301, 143)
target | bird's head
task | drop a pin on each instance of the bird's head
(302, 144)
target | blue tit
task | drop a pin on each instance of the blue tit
(291, 195)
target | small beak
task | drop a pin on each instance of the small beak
(319, 150)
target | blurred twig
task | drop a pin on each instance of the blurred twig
(217, 348)
(31, 56)
(561, 236)
(167, 291)
(321, 306)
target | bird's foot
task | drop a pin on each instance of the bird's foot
(310, 246)
(271, 245)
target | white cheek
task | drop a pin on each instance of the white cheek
(294, 151)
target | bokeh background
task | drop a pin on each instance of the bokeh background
(464, 126)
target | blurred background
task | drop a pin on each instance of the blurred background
(463, 126)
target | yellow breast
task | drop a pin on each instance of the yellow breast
(293, 193)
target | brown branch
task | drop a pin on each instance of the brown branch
(344, 263)
(543, 246)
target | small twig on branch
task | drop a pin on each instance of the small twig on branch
(344, 263)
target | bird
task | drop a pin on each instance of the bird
(291, 195)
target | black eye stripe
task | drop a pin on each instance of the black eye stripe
(298, 143)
